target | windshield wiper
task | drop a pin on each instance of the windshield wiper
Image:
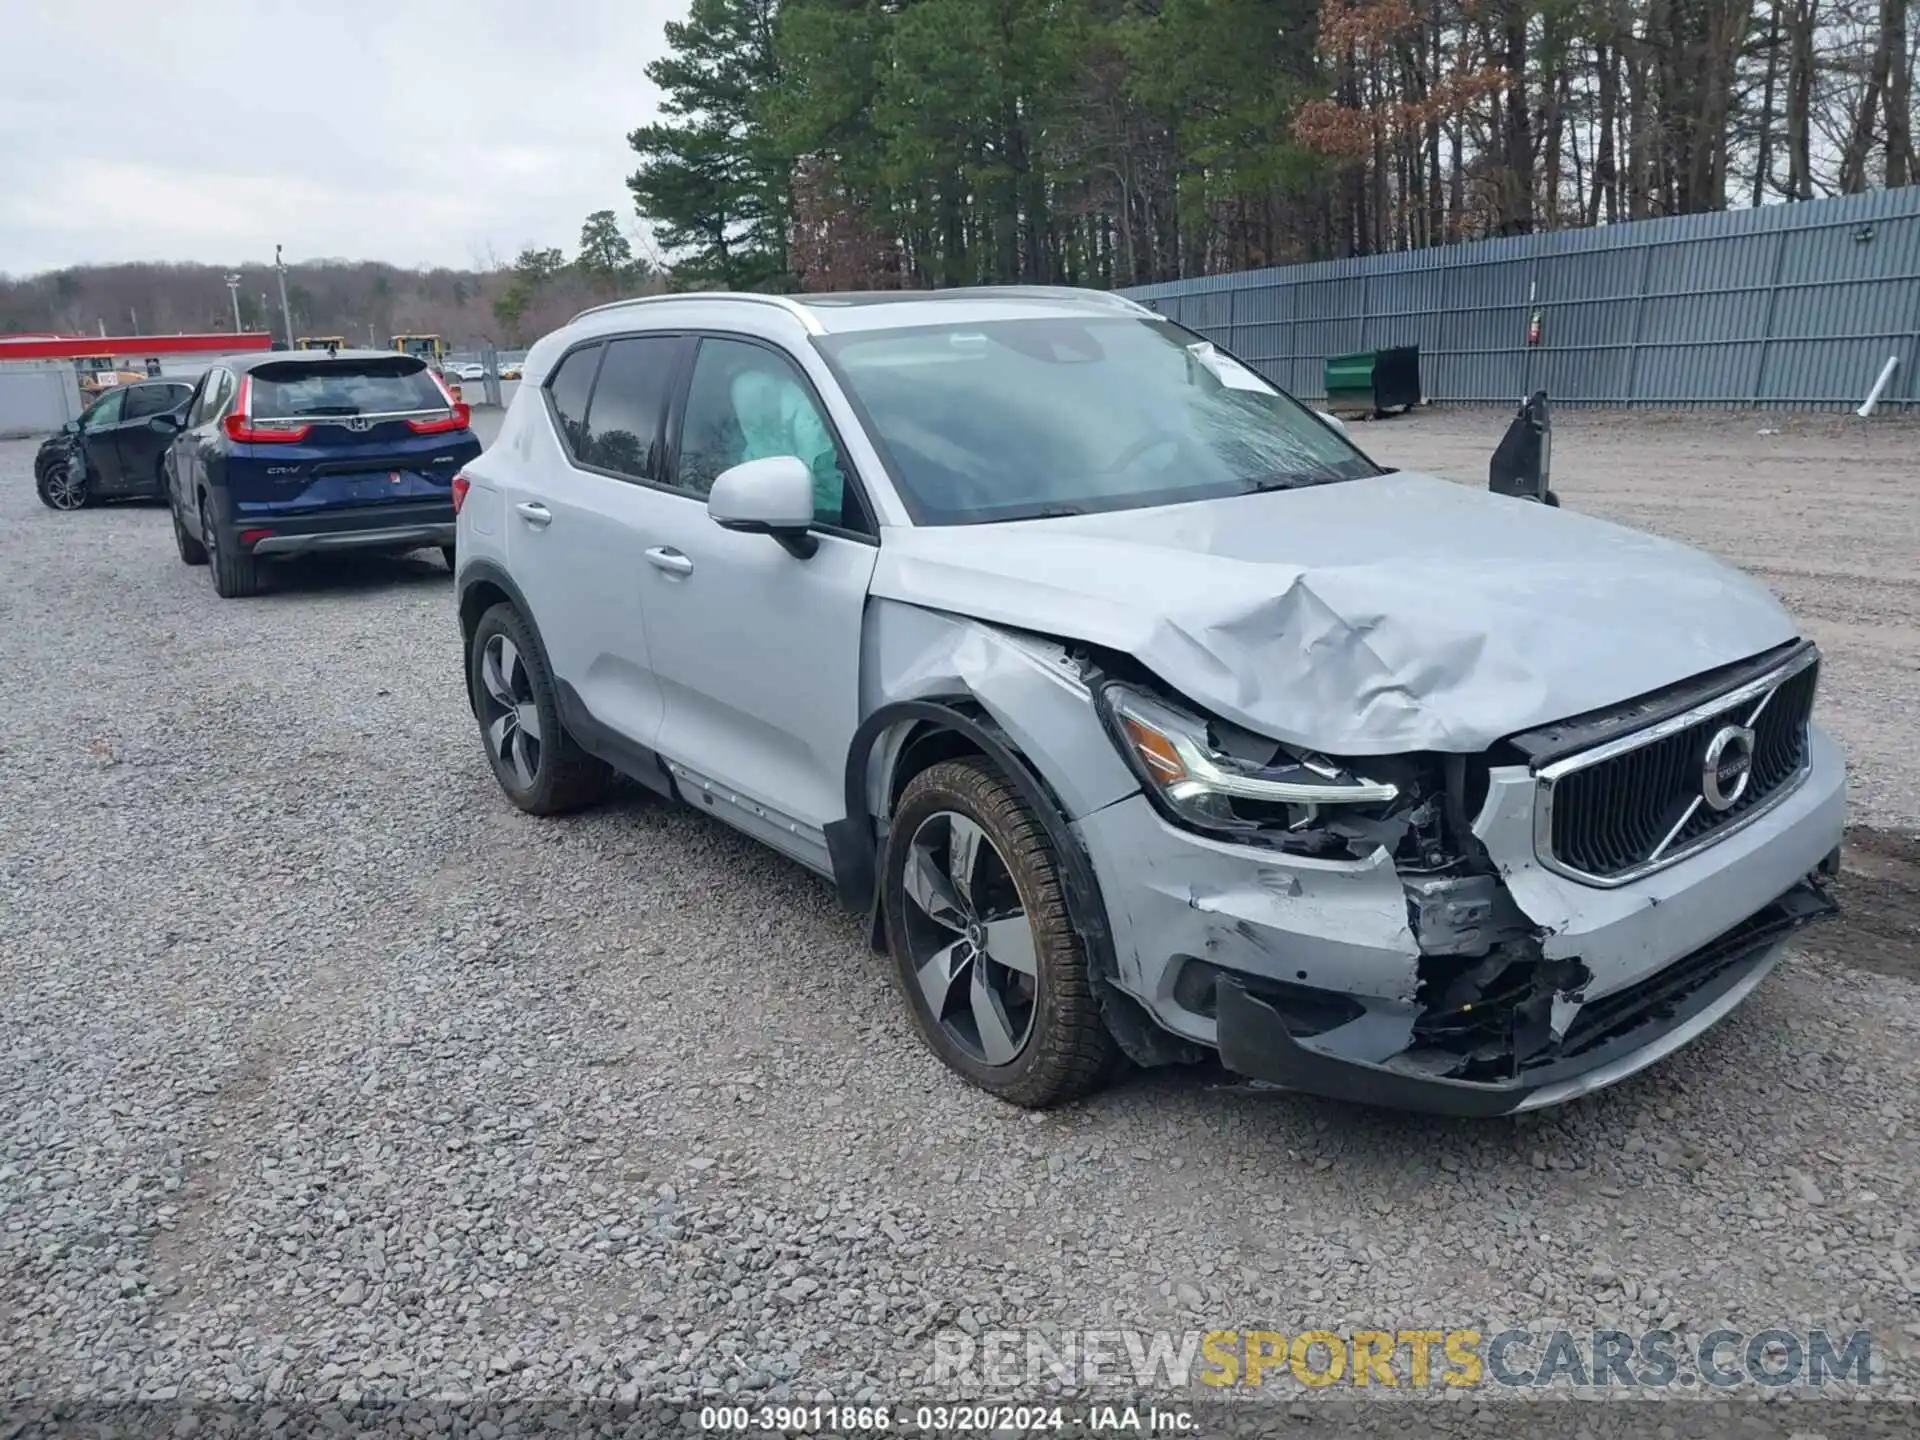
(1297, 479)
(1036, 512)
(328, 410)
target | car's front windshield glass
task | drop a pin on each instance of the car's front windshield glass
(1013, 419)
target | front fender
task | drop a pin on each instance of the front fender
(1016, 698)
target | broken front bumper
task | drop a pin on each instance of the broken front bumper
(1610, 1039)
(1341, 978)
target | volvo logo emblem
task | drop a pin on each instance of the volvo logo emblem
(1727, 767)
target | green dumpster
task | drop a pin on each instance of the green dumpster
(1373, 382)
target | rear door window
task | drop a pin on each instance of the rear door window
(144, 400)
(290, 389)
(568, 388)
(624, 422)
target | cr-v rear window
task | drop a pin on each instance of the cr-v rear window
(376, 386)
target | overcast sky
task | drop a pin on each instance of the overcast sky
(436, 134)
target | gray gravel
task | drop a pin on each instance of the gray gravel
(325, 1074)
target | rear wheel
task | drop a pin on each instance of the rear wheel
(536, 762)
(993, 970)
(236, 574)
(64, 486)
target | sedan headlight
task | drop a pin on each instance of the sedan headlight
(1216, 777)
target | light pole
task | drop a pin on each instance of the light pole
(233, 290)
(286, 314)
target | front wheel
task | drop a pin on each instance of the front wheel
(993, 970)
(192, 552)
(64, 486)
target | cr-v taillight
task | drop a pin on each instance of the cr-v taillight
(460, 486)
(461, 417)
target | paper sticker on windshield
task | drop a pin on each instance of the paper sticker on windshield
(1228, 371)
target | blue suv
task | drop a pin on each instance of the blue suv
(282, 454)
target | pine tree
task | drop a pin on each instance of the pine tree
(708, 180)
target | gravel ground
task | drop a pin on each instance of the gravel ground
(325, 1074)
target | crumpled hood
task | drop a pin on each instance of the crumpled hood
(1401, 612)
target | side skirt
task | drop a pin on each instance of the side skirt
(636, 762)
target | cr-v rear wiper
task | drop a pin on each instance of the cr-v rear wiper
(328, 410)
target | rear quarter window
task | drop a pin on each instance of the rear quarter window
(357, 387)
(568, 388)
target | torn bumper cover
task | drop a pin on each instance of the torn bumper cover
(1475, 993)
(1267, 1033)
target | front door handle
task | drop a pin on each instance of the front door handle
(665, 557)
(535, 514)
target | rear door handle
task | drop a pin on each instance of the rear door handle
(665, 557)
(535, 514)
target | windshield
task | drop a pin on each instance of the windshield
(1013, 419)
(287, 389)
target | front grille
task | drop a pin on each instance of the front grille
(1642, 803)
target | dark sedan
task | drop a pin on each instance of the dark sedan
(112, 451)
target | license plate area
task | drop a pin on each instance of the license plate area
(370, 486)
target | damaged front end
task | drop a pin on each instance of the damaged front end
(1381, 955)
(1524, 1041)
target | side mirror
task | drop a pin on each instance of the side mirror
(773, 497)
(1335, 421)
(165, 425)
(1522, 464)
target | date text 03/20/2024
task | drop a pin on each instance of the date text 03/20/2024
(947, 1419)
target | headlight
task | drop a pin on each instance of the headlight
(1230, 781)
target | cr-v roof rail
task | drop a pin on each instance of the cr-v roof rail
(799, 312)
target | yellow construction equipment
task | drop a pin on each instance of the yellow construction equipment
(430, 348)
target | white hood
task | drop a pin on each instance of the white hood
(1396, 613)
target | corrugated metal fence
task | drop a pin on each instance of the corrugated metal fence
(1786, 305)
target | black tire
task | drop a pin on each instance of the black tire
(564, 777)
(1552, 499)
(1067, 1052)
(192, 552)
(56, 493)
(236, 574)
(446, 554)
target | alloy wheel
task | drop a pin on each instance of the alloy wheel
(510, 718)
(969, 939)
(66, 486)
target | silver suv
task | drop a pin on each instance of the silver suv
(1139, 714)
